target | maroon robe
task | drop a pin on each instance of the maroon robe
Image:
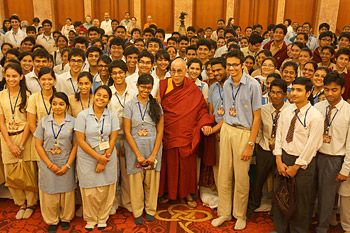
(185, 112)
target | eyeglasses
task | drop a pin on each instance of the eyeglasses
(146, 88)
(79, 62)
(234, 65)
(278, 93)
(145, 63)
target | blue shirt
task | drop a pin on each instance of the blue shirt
(248, 100)
(216, 97)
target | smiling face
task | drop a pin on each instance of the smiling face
(118, 75)
(102, 68)
(299, 94)
(47, 81)
(92, 58)
(178, 71)
(219, 72)
(144, 90)
(27, 63)
(194, 71)
(84, 85)
(131, 60)
(58, 106)
(268, 67)
(101, 98)
(145, 65)
(289, 74)
(162, 63)
(12, 77)
(203, 52)
(308, 70)
(317, 79)
(304, 57)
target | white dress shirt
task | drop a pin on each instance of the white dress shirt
(32, 82)
(268, 112)
(307, 138)
(339, 130)
(48, 42)
(132, 80)
(15, 38)
(66, 84)
(203, 87)
(107, 26)
(118, 103)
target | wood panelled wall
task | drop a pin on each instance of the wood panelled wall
(207, 12)
(343, 15)
(115, 8)
(68, 9)
(301, 11)
(251, 12)
(24, 9)
(162, 13)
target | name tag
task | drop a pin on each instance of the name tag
(221, 111)
(142, 132)
(327, 138)
(104, 145)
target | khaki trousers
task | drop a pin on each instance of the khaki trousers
(144, 187)
(345, 212)
(97, 202)
(233, 178)
(217, 157)
(57, 207)
(125, 187)
(21, 196)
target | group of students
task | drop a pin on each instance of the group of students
(95, 109)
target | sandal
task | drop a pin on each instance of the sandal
(191, 203)
(29, 211)
(20, 213)
(163, 199)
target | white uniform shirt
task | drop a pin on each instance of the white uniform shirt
(307, 138)
(66, 84)
(107, 26)
(340, 132)
(268, 112)
(15, 38)
(32, 82)
(203, 87)
(47, 41)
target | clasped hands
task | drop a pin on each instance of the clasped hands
(207, 130)
(59, 171)
(102, 161)
(146, 162)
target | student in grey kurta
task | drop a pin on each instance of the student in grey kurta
(143, 129)
(57, 148)
(96, 129)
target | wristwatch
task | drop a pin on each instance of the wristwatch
(21, 148)
(251, 143)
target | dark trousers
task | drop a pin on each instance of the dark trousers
(304, 180)
(265, 163)
(328, 168)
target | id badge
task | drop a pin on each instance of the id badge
(327, 138)
(13, 126)
(272, 141)
(232, 111)
(142, 132)
(221, 111)
(104, 145)
(56, 151)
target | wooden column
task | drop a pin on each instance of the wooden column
(44, 9)
(87, 8)
(230, 9)
(327, 12)
(281, 5)
(183, 6)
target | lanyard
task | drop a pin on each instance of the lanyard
(329, 123)
(58, 133)
(220, 92)
(81, 102)
(304, 117)
(14, 35)
(116, 94)
(234, 96)
(13, 109)
(99, 126)
(144, 113)
(39, 84)
(73, 85)
(48, 112)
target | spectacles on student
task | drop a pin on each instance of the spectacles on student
(234, 65)
(79, 62)
(146, 88)
(278, 93)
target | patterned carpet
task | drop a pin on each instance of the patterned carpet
(172, 217)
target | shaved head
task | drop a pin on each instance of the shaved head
(178, 71)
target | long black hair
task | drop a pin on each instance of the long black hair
(81, 75)
(22, 84)
(154, 108)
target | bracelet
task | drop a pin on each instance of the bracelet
(50, 166)
(67, 165)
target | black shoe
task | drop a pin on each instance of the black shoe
(138, 220)
(65, 225)
(52, 229)
(149, 218)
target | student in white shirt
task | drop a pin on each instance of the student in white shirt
(333, 158)
(131, 54)
(298, 138)
(40, 59)
(145, 63)
(265, 161)
(46, 39)
(15, 35)
(67, 82)
(162, 64)
(121, 95)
